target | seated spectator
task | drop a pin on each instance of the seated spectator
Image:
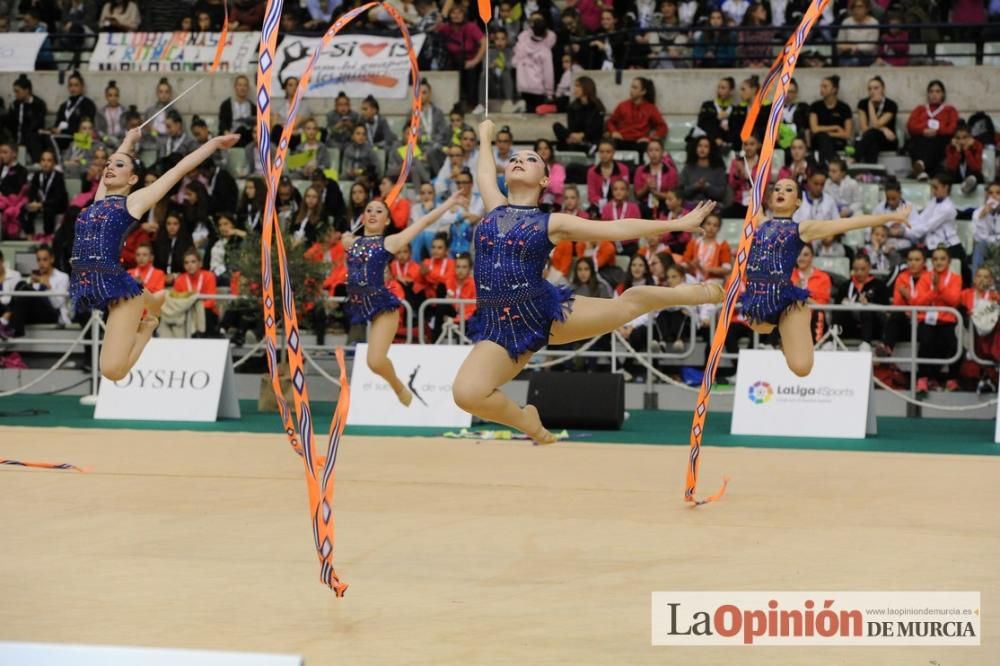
(171, 241)
(987, 225)
(281, 105)
(713, 116)
(110, 120)
(704, 175)
(586, 282)
(250, 208)
(220, 186)
(224, 254)
(312, 150)
(980, 304)
(894, 44)
(830, 246)
(399, 211)
(658, 264)
(600, 253)
(26, 118)
(376, 127)
(637, 120)
(420, 165)
(438, 275)
(195, 207)
(71, 113)
(435, 133)
(91, 180)
(830, 121)
(79, 18)
(931, 127)
(359, 161)
(533, 64)
(341, 121)
(882, 253)
(461, 220)
(936, 225)
(654, 179)
(197, 280)
(571, 204)
(716, 46)
(406, 272)
(47, 197)
(706, 257)
(735, 10)
(799, 164)
(936, 332)
(638, 274)
(80, 151)
(309, 220)
(740, 180)
(600, 176)
(845, 190)
(145, 273)
(13, 178)
(357, 202)
(119, 16)
(164, 95)
(501, 69)
(652, 245)
(897, 231)
(756, 45)
(817, 281)
(571, 71)
(963, 159)
(175, 141)
(552, 195)
(816, 203)
(876, 122)
(465, 287)
(862, 289)
(584, 117)
(238, 113)
(674, 208)
(794, 118)
(621, 207)
(747, 93)
(49, 310)
(674, 324)
(611, 47)
(503, 148)
(907, 290)
(669, 49)
(858, 36)
(9, 279)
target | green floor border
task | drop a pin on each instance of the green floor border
(909, 435)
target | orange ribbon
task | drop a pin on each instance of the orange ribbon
(778, 78)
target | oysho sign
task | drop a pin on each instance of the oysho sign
(174, 380)
(833, 401)
(428, 371)
(361, 65)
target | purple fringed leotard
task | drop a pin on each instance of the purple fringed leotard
(769, 291)
(367, 295)
(98, 279)
(515, 305)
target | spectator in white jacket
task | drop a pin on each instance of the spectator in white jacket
(816, 204)
(533, 62)
(845, 190)
(987, 229)
(936, 225)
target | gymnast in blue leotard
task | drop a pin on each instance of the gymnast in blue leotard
(369, 301)
(770, 300)
(517, 311)
(98, 281)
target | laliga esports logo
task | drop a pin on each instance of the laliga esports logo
(760, 392)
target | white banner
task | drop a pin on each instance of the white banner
(174, 380)
(359, 65)
(842, 618)
(172, 51)
(19, 50)
(833, 401)
(428, 370)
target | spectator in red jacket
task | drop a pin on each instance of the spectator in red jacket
(637, 120)
(600, 176)
(465, 286)
(976, 302)
(936, 333)
(963, 159)
(931, 126)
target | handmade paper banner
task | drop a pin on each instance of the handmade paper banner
(174, 51)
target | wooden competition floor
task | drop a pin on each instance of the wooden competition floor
(460, 552)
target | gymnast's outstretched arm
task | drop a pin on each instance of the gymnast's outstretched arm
(486, 168)
(394, 242)
(569, 227)
(812, 230)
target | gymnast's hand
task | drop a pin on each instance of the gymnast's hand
(225, 141)
(692, 221)
(487, 130)
(133, 136)
(902, 214)
(458, 199)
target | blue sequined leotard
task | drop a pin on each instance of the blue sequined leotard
(367, 295)
(769, 291)
(515, 305)
(98, 278)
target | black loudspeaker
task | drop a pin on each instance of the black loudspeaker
(579, 399)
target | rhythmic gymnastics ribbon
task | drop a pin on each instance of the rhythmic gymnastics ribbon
(42, 465)
(299, 430)
(778, 78)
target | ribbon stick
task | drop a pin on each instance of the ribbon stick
(171, 103)
(779, 78)
(41, 465)
(299, 429)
